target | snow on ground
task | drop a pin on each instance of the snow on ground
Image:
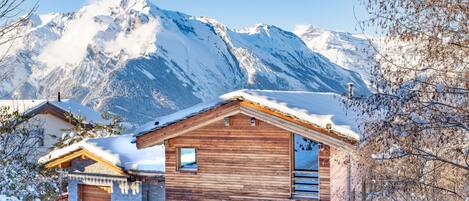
(67, 105)
(120, 151)
(6, 198)
(316, 108)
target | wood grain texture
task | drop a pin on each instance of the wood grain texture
(94, 193)
(236, 162)
(324, 173)
(235, 107)
(186, 125)
(64, 161)
(295, 120)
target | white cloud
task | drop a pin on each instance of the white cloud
(138, 42)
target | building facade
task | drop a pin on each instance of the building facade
(54, 117)
(110, 168)
(251, 147)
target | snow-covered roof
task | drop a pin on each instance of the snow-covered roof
(118, 150)
(78, 110)
(313, 107)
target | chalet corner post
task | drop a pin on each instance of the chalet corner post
(324, 173)
(292, 163)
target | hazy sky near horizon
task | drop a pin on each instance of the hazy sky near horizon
(337, 15)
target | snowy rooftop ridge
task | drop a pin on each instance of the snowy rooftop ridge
(119, 151)
(313, 107)
(78, 110)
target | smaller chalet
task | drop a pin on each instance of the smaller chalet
(51, 115)
(110, 168)
(257, 145)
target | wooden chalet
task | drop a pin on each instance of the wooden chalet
(110, 168)
(256, 145)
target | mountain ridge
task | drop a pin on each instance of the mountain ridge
(136, 60)
(351, 51)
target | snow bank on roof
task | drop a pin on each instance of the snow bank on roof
(118, 150)
(177, 116)
(315, 108)
(21, 105)
(77, 109)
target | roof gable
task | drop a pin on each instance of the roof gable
(320, 109)
(65, 160)
(250, 109)
(56, 108)
(318, 112)
(188, 124)
(116, 150)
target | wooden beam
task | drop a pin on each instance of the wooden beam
(248, 108)
(205, 118)
(65, 164)
(295, 120)
(55, 111)
(63, 161)
(295, 128)
(291, 154)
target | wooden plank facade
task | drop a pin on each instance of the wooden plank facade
(324, 173)
(94, 193)
(239, 161)
(234, 161)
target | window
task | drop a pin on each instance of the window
(306, 153)
(306, 167)
(42, 135)
(187, 159)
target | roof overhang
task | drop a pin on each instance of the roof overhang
(65, 161)
(48, 108)
(289, 123)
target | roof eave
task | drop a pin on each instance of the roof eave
(84, 154)
(160, 134)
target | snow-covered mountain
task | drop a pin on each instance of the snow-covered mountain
(351, 51)
(139, 61)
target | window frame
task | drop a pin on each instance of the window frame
(179, 156)
(42, 138)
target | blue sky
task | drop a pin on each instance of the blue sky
(329, 14)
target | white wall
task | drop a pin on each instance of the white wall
(339, 175)
(53, 127)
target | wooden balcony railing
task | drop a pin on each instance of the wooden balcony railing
(305, 184)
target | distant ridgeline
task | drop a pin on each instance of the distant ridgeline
(138, 61)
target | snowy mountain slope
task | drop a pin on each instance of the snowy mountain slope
(138, 61)
(351, 51)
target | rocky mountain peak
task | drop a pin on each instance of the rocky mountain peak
(138, 61)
